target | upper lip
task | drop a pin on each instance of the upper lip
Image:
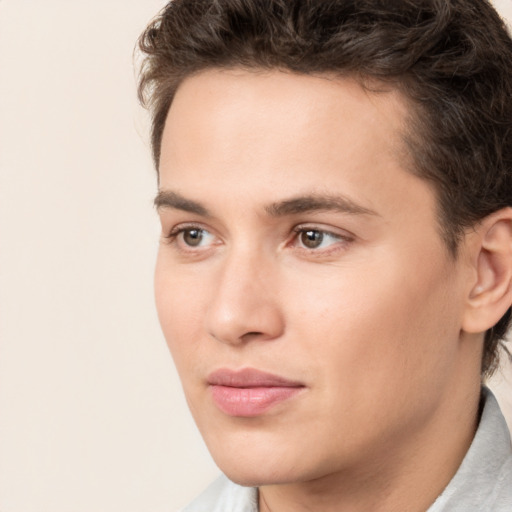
(249, 378)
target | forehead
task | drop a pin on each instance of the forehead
(257, 105)
(264, 136)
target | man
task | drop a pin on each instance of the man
(335, 273)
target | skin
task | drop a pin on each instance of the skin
(370, 321)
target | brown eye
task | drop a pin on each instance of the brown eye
(193, 237)
(311, 238)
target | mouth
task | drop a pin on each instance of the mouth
(250, 392)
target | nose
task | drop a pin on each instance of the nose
(245, 303)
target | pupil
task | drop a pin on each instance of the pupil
(193, 237)
(312, 239)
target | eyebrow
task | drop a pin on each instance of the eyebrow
(296, 205)
(317, 203)
(169, 199)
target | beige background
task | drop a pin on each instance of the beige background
(91, 412)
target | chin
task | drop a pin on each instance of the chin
(250, 476)
(247, 470)
(262, 467)
(252, 458)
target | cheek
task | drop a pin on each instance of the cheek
(375, 344)
(179, 305)
(381, 322)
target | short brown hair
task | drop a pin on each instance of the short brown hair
(452, 59)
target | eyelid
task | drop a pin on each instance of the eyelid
(183, 226)
(342, 238)
(172, 235)
(179, 228)
(337, 233)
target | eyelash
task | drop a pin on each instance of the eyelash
(340, 238)
(180, 229)
(171, 238)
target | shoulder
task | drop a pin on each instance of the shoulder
(483, 482)
(225, 496)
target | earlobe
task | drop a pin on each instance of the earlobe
(491, 295)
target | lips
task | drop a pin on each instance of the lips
(250, 392)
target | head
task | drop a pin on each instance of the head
(450, 60)
(334, 177)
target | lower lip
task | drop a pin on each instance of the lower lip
(248, 402)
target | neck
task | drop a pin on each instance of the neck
(408, 474)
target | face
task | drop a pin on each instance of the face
(310, 305)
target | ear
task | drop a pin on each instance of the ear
(491, 294)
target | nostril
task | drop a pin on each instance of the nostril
(253, 335)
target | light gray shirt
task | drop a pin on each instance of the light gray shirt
(483, 482)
